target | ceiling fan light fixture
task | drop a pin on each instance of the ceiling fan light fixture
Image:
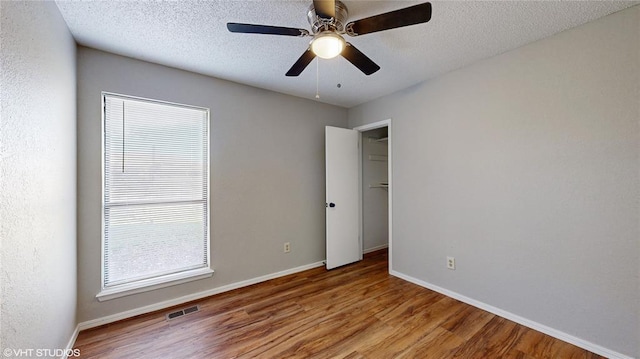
(327, 45)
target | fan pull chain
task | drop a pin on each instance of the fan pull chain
(317, 78)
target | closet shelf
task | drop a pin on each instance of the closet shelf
(383, 139)
(382, 158)
(380, 185)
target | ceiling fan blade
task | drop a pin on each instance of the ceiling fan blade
(359, 60)
(302, 63)
(265, 29)
(325, 9)
(411, 15)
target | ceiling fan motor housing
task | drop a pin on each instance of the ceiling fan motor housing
(336, 23)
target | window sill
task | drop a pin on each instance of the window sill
(153, 283)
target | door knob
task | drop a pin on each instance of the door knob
(332, 204)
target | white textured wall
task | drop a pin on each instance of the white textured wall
(525, 168)
(37, 177)
(267, 174)
(375, 201)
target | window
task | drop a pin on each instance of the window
(155, 195)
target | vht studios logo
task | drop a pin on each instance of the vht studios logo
(40, 353)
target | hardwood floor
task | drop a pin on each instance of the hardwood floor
(357, 311)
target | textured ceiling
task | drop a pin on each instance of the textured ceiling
(192, 35)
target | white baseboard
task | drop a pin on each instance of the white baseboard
(71, 342)
(518, 319)
(191, 297)
(373, 249)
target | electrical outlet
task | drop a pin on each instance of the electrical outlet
(451, 263)
(287, 247)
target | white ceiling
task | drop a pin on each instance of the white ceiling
(192, 35)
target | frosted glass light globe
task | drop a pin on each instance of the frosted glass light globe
(327, 45)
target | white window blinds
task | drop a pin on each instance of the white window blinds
(155, 189)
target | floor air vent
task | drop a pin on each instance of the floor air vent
(182, 312)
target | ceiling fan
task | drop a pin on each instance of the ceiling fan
(327, 19)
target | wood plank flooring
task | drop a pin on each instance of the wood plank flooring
(354, 312)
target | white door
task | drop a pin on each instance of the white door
(342, 210)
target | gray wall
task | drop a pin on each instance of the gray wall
(37, 177)
(375, 201)
(525, 168)
(267, 174)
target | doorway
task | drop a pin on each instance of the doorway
(376, 187)
(348, 214)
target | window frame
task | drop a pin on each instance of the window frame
(166, 280)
